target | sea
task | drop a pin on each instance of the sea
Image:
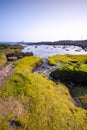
(45, 51)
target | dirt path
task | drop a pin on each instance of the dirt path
(5, 72)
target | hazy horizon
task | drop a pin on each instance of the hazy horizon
(42, 20)
(39, 41)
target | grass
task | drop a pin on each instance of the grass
(72, 66)
(73, 69)
(37, 103)
(2, 59)
(67, 59)
(11, 48)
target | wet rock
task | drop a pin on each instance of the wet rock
(45, 68)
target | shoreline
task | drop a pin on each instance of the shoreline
(80, 43)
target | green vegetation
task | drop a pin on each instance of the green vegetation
(10, 48)
(7, 49)
(67, 59)
(33, 102)
(2, 59)
(73, 71)
(73, 63)
(73, 68)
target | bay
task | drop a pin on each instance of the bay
(45, 51)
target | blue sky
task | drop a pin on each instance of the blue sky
(43, 20)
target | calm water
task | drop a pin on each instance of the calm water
(48, 50)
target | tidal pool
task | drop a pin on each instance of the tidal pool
(45, 51)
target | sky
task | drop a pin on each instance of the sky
(43, 20)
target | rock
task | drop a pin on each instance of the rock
(15, 56)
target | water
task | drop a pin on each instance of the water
(45, 51)
(45, 68)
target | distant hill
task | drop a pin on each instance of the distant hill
(81, 43)
(7, 42)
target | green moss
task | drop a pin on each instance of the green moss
(67, 59)
(11, 48)
(16, 83)
(73, 69)
(2, 59)
(27, 64)
(45, 105)
(3, 124)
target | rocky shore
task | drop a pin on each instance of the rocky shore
(15, 56)
(80, 43)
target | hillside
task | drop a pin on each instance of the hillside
(33, 102)
(73, 72)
